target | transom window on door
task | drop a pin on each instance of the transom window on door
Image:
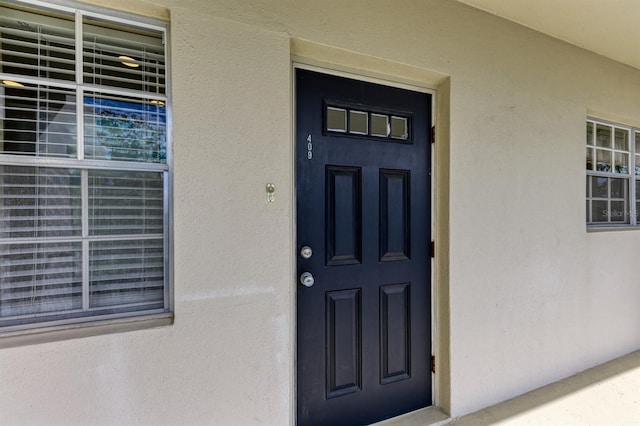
(356, 120)
(613, 174)
(84, 170)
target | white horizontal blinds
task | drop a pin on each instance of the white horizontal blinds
(123, 57)
(127, 272)
(125, 203)
(126, 208)
(88, 239)
(39, 202)
(35, 45)
(124, 129)
(40, 278)
(38, 120)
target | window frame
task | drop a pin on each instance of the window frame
(632, 177)
(18, 334)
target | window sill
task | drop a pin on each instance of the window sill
(608, 228)
(79, 330)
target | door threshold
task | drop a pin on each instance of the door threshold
(429, 416)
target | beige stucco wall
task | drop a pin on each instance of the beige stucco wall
(525, 295)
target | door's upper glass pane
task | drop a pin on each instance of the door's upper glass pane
(380, 125)
(358, 122)
(399, 128)
(336, 119)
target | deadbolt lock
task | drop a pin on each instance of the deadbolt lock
(306, 252)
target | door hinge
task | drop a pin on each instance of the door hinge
(432, 249)
(433, 134)
(433, 364)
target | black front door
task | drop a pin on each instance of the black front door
(363, 234)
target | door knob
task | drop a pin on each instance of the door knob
(306, 279)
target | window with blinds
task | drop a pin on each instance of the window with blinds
(84, 170)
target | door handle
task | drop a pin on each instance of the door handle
(306, 279)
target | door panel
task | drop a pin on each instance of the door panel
(395, 226)
(344, 343)
(363, 194)
(343, 213)
(395, 332)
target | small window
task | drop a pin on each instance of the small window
(336, 120)
(84, 175)
(380, 125)
(374, 123)
(399, 128)
(613, 174)
(358, 122)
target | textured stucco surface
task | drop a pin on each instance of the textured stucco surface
(526, 295)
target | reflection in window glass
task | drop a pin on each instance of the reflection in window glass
(124, 129)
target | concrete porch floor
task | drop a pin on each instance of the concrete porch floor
(606, 395)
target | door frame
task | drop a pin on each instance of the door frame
(388, 80)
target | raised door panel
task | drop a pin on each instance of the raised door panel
(395, 340)
(395, 222)
(343, 215)
(344, 342)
